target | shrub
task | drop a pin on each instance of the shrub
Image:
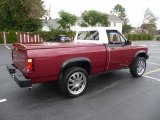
(135, 37)
(130, 37)
(145, 37)
(150, 37)
(140, 37)
(12, 37)
(1, 38)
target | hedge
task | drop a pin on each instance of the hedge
(48, 35)
(12, 37)
(134, 37)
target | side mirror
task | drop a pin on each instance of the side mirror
(128, 42)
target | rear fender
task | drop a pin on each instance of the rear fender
(82, 62)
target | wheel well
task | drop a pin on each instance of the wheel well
(83, 64)
(144, 55)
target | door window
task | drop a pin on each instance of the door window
(115, 37)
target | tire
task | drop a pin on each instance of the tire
(74, 82)
(138, 67)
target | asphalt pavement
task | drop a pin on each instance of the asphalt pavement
(110, 96)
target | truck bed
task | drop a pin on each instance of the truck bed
(47, 45)
(48, 58)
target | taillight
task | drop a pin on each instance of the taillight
(29, 65)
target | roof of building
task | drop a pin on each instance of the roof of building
(51, 23)
(114, 18)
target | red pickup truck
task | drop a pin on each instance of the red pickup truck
(94, 50)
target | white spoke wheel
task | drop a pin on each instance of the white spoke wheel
(138, 67)
(74, 81)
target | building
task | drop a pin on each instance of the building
(115, 21)
(49, 24)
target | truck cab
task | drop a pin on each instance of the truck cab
(99, 35)
(119, 50)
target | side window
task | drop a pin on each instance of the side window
(88, 35)
(115, 37)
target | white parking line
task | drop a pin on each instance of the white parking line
(153, 63)
(154, 45)
(155, 52)
(8, 47)
(3, 100)
(152, 78)
(154, 57)
(154, 49)
(153, 71)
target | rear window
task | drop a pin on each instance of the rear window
(88, 35)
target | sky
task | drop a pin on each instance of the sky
(134, 8)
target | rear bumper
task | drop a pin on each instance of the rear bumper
(18, 76)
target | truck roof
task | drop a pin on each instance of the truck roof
(103, 38)
(96, 28)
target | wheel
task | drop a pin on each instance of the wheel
(138, 67)
(74, 81)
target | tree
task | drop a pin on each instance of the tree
(149, 22)
(21, 15)
(94, 18)
(126, 28)
(149, 17)
(67, 20)
(121, 13)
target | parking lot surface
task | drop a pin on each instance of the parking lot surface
(110, 96)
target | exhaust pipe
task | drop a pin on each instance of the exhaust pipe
(30, 88)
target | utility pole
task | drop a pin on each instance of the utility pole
(49, 11)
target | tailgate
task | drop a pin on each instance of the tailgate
(19, 54)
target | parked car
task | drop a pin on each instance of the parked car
(60, 38)
(71, 63)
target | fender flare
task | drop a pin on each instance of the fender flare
(142, 51)
(70, 61)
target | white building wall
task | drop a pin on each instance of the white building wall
(74, 28)
(111, 24)
(117, 25)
